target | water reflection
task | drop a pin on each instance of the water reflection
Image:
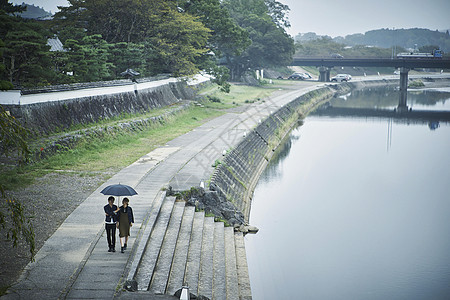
(281, 153)
(342, 218)
(433, 125)
(428, 107)
(387, 97)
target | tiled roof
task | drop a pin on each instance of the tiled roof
(55, 44)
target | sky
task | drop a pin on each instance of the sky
(340, 18)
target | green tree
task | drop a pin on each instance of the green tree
(12, 215)
(11, 9)
(171, 41)
(221, 74)
(265, 22)
(115, 20)
(428, 48)
(323, 46)
(227, 38)
(127, 56)
(278, 12)
(25, 57)
(88, 58)
(178, 43)
(406, 38)
(4, 84)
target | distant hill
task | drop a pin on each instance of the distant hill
(34, 12)
(386, 38)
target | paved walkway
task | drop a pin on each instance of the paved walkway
(74, 262)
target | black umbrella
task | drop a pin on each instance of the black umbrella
(119, 190)
(130, 72)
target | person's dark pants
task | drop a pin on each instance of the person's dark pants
(111, 235)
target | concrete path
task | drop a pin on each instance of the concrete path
(74, 262)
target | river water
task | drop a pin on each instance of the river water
(356, 208)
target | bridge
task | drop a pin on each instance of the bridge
(404, 64)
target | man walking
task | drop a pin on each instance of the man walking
(110, 223)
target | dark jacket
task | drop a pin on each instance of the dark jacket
(111, 215)
(130, 213)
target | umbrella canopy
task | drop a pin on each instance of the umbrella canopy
(119, 190)
(130, 72)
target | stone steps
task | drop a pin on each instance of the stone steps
(219, 276)
(162, 270)
(194, 252)
(150, 256)
(177, 275)
(205, 279)
(242, 268)
(188, 248)
(232, 287)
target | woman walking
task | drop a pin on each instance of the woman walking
(126, 220)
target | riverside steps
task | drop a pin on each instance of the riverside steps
(186, 247)
(170, 243)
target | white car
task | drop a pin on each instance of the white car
(341, 77)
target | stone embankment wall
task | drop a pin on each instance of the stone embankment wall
(65, 141)
(236, 177)
(46, 117)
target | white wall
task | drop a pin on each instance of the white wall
(10, 97)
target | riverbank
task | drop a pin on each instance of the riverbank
(55, 191)
(46, 189)
(216, 134)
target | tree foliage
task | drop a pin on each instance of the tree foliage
(405, 38)
(166, 40)
(12, 134)
(103, 38)
(264, 21)
(88, 58)
(124, 55)
(326, 46)
(177, 44)
(227, 38)
(8, 8)
(4, 84)
(12, 215)
(278, 13)
(25, 56)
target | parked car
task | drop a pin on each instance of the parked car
(307, 75)
(336, 55)
(299, 76)
(341, 77)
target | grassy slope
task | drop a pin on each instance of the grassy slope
(92, 157)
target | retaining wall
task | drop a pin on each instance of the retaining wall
(45, 117)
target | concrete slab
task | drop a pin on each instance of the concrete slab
(91, 294)
(143, 296)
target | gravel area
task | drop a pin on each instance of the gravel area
(50, 199)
